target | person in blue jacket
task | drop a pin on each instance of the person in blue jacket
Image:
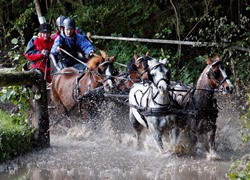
(70, 47)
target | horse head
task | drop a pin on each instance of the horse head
(159, 74)
(139, 65)
(110, 71)
(217, 75)
(96, 60)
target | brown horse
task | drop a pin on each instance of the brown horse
(137, 72)
(68, 84)
(201, 100)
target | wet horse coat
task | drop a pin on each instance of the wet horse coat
(69, 84)
(201, 100)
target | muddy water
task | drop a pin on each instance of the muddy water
(104, 148)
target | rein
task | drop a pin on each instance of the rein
(66, 52)
(65, 73)
(200, 89)
(78, 97)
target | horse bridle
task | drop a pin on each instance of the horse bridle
(162, 79)
(156, 85)
(144, 63)
(113, 73)
(92, 73)
(212, 75)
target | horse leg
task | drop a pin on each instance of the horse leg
(191, 127)
(212, 155)
(137, 127)
(172, 123)
(157, 127)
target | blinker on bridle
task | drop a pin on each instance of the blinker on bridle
(143, 60)
(212, 74)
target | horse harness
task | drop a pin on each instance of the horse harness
(213, 75)
(77, 95)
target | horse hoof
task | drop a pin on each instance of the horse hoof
(213, 156)
(179, 149)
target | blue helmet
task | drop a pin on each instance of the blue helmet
(69, 23)
(59, 20)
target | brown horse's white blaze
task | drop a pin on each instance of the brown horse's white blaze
(217, 75)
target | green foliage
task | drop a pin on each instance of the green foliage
(21, 23)
(227, 35)
(122, 17)
(17, 44)
(240, 169)
(14, 139)
(19, 96)
(246, 120)
(188, 74)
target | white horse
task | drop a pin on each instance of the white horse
(149, 103)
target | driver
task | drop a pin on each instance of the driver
(68, 46)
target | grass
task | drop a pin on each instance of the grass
(15, 139)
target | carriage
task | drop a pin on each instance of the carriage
(154, 101)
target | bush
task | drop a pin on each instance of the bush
(240, 169)
(15, 139)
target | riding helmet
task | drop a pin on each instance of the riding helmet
(59, 20)
(45, 27)
(69, 23)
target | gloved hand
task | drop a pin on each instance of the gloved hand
(91, 53)
(59, 49)
(45, 52)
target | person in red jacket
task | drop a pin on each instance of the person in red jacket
(38, 50)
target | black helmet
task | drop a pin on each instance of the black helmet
(59, 20)
(69, 23)
(45, 27)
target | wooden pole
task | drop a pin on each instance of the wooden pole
(165, 41)
(40, 120)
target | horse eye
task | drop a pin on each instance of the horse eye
(216, 74)
(168, 74)
(152, 75)
(222, 66)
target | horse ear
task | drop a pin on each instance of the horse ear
(103, 54)
(208, 60)
(136, 56)
(112, 58)
(147, 54)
